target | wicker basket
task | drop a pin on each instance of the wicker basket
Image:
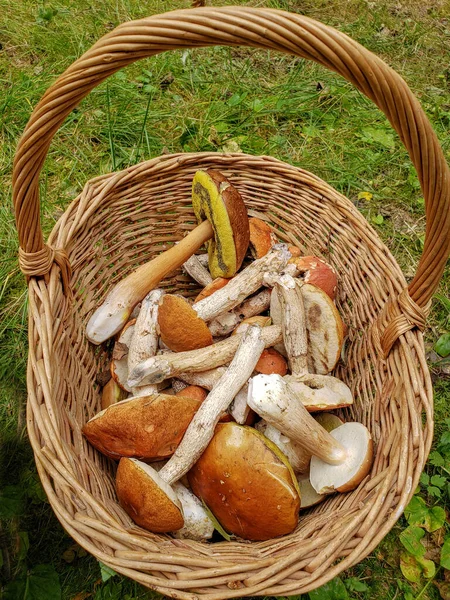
(122, 219)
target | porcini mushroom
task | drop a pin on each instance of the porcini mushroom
(197, 271)
(297, 456)
(212, 287)
(226, 224)
(340, 459)
(180, 324)
(226, 322)
(247, 483)
(147, 427)
(262, 237)
(199, 433)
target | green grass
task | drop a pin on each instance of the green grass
(209, 100)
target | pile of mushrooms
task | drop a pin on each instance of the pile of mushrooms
(208, 408)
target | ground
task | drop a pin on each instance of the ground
(212, 100)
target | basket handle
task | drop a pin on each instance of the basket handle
(243, 26)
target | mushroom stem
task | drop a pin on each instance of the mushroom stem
(157, 368)
(205, 379)
(245, 283)
(201, 428)
(144, 342)
(226, 322)
(294, 328)
(197, 271)
(112, 315)
(273, 400)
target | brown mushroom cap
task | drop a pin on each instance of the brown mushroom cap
(212, 287)
(325, 330)
(243, 480)
(262, 238)
(316, 271)
(193, 391)
(148, 427)
(271, 362)
(344, 477)
(180, 327)
(147, 498)
(216, 199)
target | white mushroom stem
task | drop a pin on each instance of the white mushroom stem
(197, 524)
(242, 285)
(228, 321)
(178, 385)
(197, 271)
(298, 457)
(205, 379)
(111, 316)
(158, 368)
(201, 429)
(273, 400)
(144, 342)
(203, 259)
(239, 408)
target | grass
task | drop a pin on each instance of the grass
(209, 100)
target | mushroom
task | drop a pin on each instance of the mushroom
(144, 340)
(316, 271)
(256, 320)
(262, 238)
(186, 516)
(158, 490)
(197, 271)
(193, 391)
(270, 362)
(309, 496)
(217, 201)
(329, 421)
(147, 427)
(316, 391)
(247, 483)
(158, 368)
(297, 456)
(181, 325)
(340, 459)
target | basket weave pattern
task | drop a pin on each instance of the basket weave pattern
(122, 220)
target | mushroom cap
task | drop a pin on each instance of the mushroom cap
(271, 362)
(147, 427)
(147, 498)
(247, 484)
(316, 271)
(320, 392)
(308, 494)
(356, 439)
(262, 237)
(180, 327)
(216, 199)
(325, 330)
(216, 284)
(193, 391)
(329, 421)
(119, 361)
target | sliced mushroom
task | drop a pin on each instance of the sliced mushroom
(347, 453)
(195, 440)
(247, 483)
(159, 368)
(215, 199)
